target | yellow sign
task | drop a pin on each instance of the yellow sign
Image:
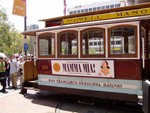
(114, 15)
(19, 7)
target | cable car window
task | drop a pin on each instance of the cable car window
(46, 44)
(123, 41)
(67, 41)
(87, 41)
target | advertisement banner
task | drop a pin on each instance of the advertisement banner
(19, 7)
(92, 68)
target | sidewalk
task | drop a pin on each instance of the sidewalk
(8, 90)
(29, 103)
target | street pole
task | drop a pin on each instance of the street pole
(25, 37)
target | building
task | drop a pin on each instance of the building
(108, 4)
(33, 26)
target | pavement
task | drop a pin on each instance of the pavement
(35, 102)
(13, 102)
(10, 90)
(47, 102)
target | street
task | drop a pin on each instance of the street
(46, 102)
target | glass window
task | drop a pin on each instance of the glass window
(67, 41)
(99, 43)
(74, 44)
(112, 42)
(123, 41)
(89, 47)
(90, 9)
(78, 11)
(46, 44)
(107, 6)
(71, 12)
(117, 5)
(95, 43)
(118, 42)
(74, 12)
(111, 6)
(86, 10)
(91, 43)
(82, 11)
(94, 9)
(98, 8)
(103, 7)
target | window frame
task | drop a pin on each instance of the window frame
(45, 56)
(59, 46)
(92, 55)
(135, 27)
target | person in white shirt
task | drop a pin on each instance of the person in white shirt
(13, 71)
(21, 70)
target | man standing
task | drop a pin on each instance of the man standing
(13, 71)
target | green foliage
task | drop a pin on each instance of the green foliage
(11, 41)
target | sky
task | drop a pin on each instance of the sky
(40, 9)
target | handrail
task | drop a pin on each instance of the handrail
(143, 53)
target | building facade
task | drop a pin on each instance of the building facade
(108, 4)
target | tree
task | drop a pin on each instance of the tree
(16, 42)
(11, 41)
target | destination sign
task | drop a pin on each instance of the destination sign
(114, 15)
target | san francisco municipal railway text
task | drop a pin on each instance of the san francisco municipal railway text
(87, 83)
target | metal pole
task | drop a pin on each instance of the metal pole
(25, 28)
(65, 4)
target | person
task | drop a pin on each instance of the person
(13, 71)
(7, 66)
(2, 75)
(105, 69)
(21, 70)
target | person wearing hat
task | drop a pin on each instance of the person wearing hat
(2, 74)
